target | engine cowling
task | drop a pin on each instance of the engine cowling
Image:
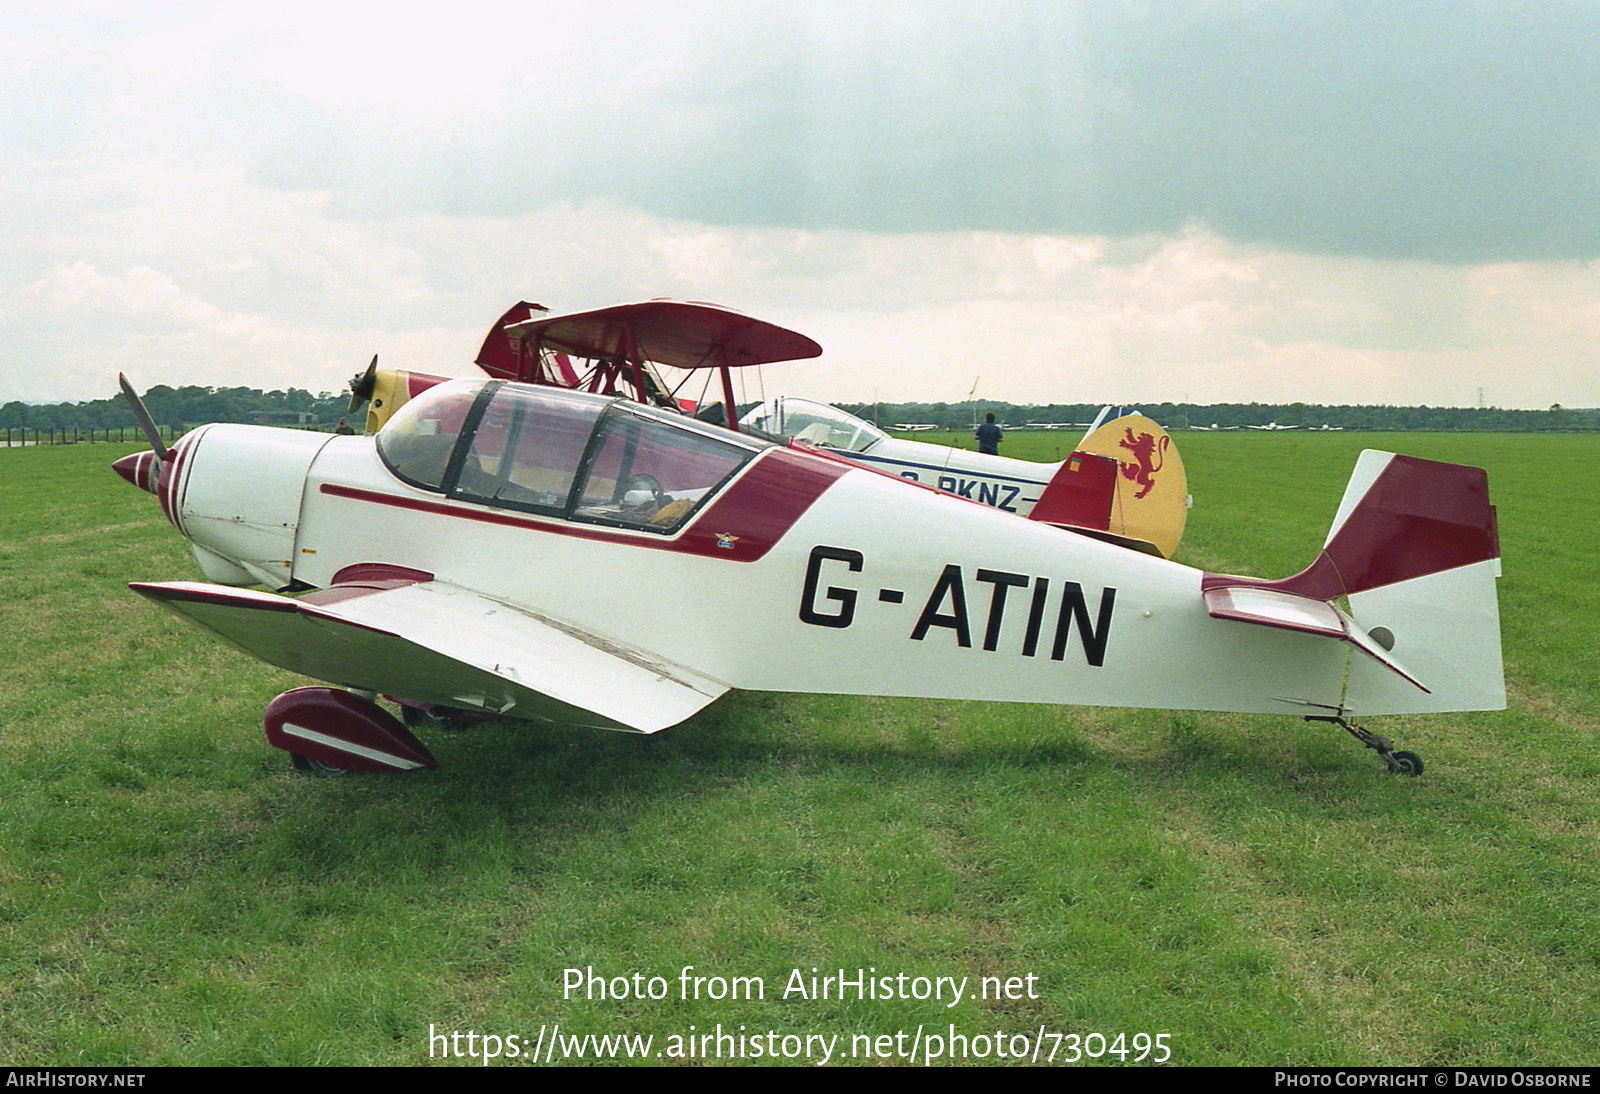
(236, 492)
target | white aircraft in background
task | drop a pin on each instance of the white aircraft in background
(1123, 482)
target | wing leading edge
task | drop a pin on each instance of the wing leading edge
(430, 641)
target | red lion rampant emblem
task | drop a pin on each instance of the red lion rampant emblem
(1150, 457)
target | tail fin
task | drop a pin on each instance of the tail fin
(1125, 483)
(1403, 518)
(501, 355)
(1415, 550)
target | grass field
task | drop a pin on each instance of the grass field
(1256, 889)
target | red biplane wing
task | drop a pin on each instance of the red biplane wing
(680, 333)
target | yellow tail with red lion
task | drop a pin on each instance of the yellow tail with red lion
(1124, 483)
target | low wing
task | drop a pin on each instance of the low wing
(433, 642)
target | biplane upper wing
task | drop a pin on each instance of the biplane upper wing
(430, 641)
(681, 333)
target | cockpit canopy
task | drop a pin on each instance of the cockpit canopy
(814, 423)
(561, 453)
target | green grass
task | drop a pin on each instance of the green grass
(170, 893)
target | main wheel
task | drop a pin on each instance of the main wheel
(412, 717)
(1404, 763)
(321, 769)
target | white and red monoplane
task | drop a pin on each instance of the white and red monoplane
(580, 557)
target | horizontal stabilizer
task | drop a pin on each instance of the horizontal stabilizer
(1408, 567)
(433, 642)
(1275, 608)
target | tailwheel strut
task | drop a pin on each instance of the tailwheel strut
(1398, 763)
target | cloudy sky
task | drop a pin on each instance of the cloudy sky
(1381, 202)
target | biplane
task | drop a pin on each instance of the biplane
(584, 557)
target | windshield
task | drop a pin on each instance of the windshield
(561, 453)
(651, 470)
(416, 442)
(814, 423)
(526, 448)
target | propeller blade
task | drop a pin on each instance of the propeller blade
(146, 423)
(362, 384)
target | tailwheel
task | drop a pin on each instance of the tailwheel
(1404, 763)
(1398, 763)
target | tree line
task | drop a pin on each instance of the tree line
(179, 408)
(183, 408)
(1242, 415)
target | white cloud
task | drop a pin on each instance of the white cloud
(140, 233)
(199, 276)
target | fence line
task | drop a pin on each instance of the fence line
(27, 438)
(20, 438)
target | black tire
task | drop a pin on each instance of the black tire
(1404, 763)
(316, 768)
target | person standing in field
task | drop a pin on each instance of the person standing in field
(989, 436)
